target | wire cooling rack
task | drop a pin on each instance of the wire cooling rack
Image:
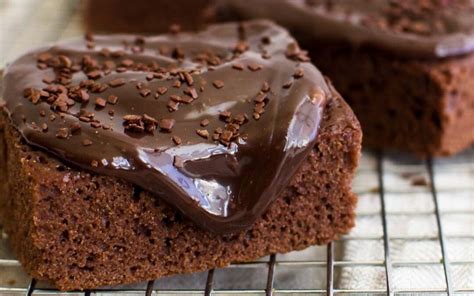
(414, 231)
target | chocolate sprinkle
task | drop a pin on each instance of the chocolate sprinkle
(218, 84)
(100, 102)
(162, 90)
(299, 73)
(203, 133)
(254, 67)
(238, 66)
(177, 140)
(288, 84)
(166, 124)
(76, 128)
(112, 99)
(204, 122)
(117, 82)
(145, 92)
(63, 133)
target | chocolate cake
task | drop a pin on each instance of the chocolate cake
(405, 67)
(145, 16)
(130, 158)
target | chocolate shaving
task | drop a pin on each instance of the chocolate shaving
(177, 140)
(225, 115)
(162, 90)
(96, 74)
(238, 66)
(218, 84)
(95, 124)
(260, 98)
(112, 99)
(226, 136)
(84, 96)
(240, 118)
(62, 133)
(117, 82)
(44, 57)
(254, 67)
(100, 103)
(127, 63)
(179, 99)
(150, 123)
(191, 92)
(299, 73)
(166, 124)
(294, 52)
(134, 123)
(75, 128)
(288, 84)
(265, 87)
(203, 133)
(172, 105)
(145, 92)
(204, 122)
(177, 84)
(189, 79)
(65, 61)
(241, 47)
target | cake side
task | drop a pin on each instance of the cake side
(3, 170)
(79, 230)
(421, 106)
(455, 78)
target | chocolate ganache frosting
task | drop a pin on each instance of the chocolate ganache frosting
(215, 123)
(408, 28)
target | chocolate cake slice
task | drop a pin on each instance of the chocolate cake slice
(130, 158)
(405, 67)
(145, 16)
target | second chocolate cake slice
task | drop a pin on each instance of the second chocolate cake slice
(405, 67)
(128, 158)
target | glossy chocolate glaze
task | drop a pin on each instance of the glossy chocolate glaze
(221, 187)
(411, 28)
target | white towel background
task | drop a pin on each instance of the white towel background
(415, 252)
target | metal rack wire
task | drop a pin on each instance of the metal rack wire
(367, 261)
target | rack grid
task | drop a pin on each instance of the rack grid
(434, 255)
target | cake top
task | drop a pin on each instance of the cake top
(413, 28)
(215, 123)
